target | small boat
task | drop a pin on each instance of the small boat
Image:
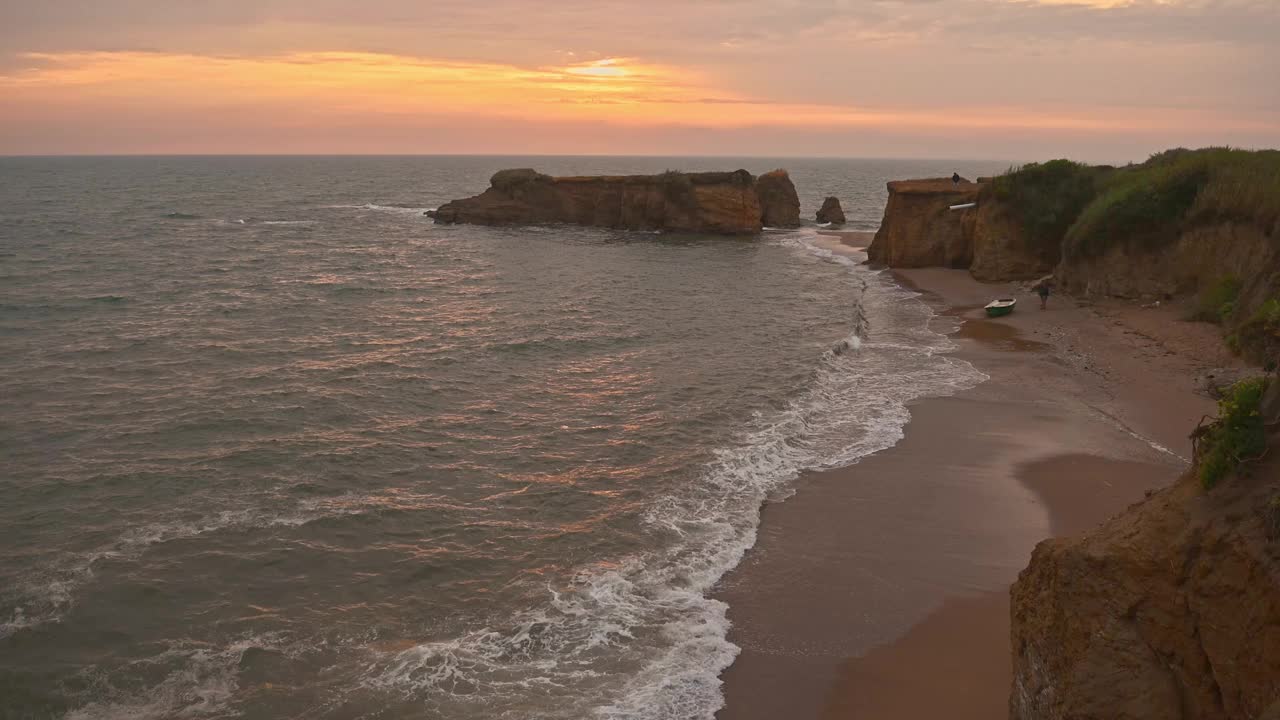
(1000, 306)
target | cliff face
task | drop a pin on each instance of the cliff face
(920, 229)
(1169, 611)
(1198, 257)
(1000, 247)
(729, 203)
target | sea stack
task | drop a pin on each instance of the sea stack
(720, 203)
(779, 204)
(831, 212)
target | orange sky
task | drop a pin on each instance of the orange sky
(1095, 79)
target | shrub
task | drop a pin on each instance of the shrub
(1258, 338)
(1147, 204)
(1046, 198)
(1245, 187)
(1152, 203)
(1237, 436)
(1218, 300)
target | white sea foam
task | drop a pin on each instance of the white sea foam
(855, 406)
(396, 209)
(200, 682)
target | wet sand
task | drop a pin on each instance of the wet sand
(880, 590)
(859, 239)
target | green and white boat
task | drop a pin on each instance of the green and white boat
(1000, 306)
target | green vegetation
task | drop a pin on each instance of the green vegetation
(1152, 203)
(1075, 209)
(1047, 198)
(1146, 204)
(1237, 436)
(1258, 338)
(1244, 187)
(1071, 211)
(1218, 300)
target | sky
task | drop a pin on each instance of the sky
(1096, 80)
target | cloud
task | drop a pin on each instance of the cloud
(1190, 68)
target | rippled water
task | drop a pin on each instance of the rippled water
(274, 445)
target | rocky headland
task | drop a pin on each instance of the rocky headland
(1194, 226)
(722, 203)
(920, 229)
(940, 223)
(1171, 609)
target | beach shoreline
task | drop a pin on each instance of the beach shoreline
(891, 575)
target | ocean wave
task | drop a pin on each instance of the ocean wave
(46, 597)
(855, 405)
(198, 680)
(396, 209)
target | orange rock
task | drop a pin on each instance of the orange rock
(1170, 610)
(727, 203)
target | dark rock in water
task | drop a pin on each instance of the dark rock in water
(831, 212)
(779, 204)
(725, 203)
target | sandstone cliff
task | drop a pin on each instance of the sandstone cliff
(729, 203)
(1169, 611)
(1000, 247)
(1195, 258)
(920, 229)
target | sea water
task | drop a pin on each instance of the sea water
(273, 444)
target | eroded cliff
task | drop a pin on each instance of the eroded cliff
(919, 228)
(728, 203)
(1197, 257)
(1169, 611)
(1000, 247)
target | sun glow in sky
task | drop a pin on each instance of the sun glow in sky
(1097, 79)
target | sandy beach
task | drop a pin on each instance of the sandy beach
(880, 590)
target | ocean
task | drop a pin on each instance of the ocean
(274, 445)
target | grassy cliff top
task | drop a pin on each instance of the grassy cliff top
(1088, 209)
(933, 186)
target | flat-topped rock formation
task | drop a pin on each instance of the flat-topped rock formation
(722, 203)
(920, 229)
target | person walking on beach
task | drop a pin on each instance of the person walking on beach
(955, 178)
(1043, 291)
